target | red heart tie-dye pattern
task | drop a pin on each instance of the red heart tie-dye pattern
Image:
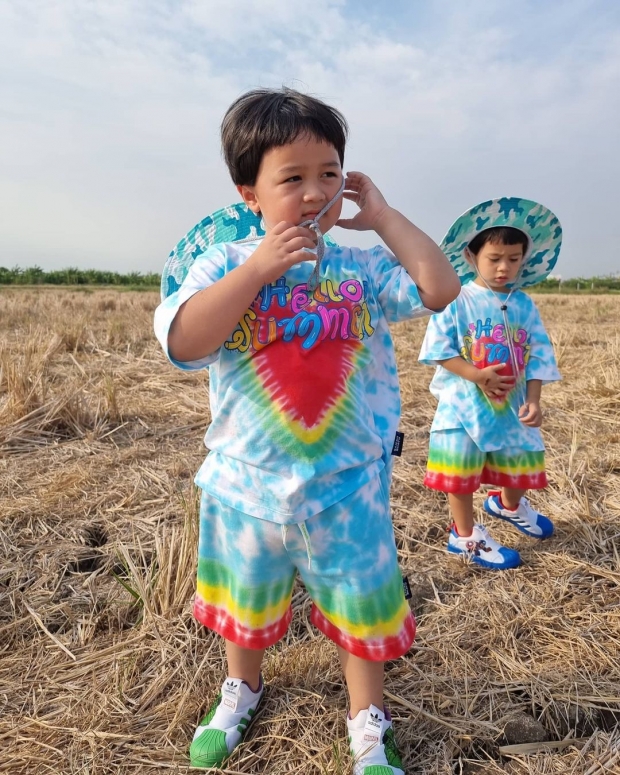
(306, 384)
(305, 376)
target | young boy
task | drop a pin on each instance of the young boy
(305, 403)
(492, 355)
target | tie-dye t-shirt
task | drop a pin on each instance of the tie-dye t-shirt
(304, 393)
(473, 327)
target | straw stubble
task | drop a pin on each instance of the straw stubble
(103, 668)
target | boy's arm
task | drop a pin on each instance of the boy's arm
(487, 379)
(206, 320)
(209, 317)
(428, 267)
(426, 264)
(530, 413)
(541, 369)
(495, 386)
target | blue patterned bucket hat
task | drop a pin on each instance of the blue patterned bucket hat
(539, 224)
(235, 223)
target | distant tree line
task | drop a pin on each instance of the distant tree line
(609, 282)
(34, 275)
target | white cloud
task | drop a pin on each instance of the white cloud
(111, 114)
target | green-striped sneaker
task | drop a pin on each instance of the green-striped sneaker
(372, 743)
(226, 723)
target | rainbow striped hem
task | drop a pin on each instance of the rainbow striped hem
(228, 627)
(457, 465)
(376, 649)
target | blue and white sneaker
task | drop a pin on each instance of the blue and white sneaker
(483, 550)
(225, 724)
(524, 518)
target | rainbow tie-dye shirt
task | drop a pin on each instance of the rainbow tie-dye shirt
(472, 326)
(304, 393)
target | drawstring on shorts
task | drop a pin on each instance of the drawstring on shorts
(305, 535)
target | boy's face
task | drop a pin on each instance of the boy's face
(498, 264)
(295, 182)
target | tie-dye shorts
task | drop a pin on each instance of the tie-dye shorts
(457, 465)
(346, 557)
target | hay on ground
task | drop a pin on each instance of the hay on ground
(103, 668)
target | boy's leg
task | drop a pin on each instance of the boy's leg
(455, 465)
(244, 664)
(245, 598)
(511, 497)
(229, 717)
(364, 681)
(516, 471)
(462, 510)
(369, 724)
(347, 559)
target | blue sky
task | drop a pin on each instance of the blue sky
(110, 114)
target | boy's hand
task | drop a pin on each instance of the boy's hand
(282, 247)
(493, 384)
(531, 414)
(360, 189)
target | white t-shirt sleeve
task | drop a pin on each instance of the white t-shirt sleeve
(206, 270)
(396, 292)
(441, 340)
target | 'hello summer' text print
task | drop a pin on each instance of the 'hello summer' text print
(485, 344)
(282, 312)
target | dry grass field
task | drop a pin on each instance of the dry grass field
(103, 670)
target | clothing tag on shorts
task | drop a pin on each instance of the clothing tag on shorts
(230, 693)
(397, 448)
(406, 588)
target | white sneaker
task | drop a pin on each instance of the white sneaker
(524, 518)
(483, 550)
(373, 748)
(225, 724)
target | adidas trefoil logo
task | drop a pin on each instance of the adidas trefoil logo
(372, 731)
(230, 694)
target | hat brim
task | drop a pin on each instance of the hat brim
(233, 223)
(230, 224)
(539, 224)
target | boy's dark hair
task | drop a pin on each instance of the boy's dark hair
(499, 235)
(263, 119)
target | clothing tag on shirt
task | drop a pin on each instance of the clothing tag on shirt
(406, 588)
(397, 448)
(230, 693)
(374, 725)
